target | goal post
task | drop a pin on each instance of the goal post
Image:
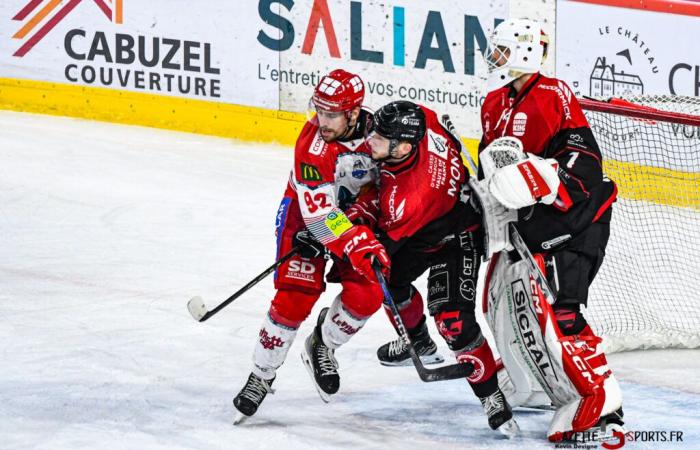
(647, 292)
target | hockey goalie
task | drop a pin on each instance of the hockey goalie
(543, 192)
(549, 353)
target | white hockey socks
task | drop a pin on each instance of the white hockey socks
(339, 325)
(274, 341)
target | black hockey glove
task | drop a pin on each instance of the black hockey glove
(309, 247)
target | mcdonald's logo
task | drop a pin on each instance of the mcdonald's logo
(310, 173)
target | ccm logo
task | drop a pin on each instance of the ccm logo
(355, 240)
(301, 267)
(580, 365)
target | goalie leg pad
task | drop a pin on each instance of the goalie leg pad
(511, 315)
(520, 315)
(600, 392)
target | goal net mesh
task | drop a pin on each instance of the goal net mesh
(647, 293)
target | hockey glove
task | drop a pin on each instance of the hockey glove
(309, 247)
(363, 212)
(361, 248)
(525, 183)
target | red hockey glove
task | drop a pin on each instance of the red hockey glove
(361, 248)
(363, 212)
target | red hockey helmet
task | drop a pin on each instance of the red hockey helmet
(339, 91)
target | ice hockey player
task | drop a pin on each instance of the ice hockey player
(331, 165)
(563, 200)
(424, 225)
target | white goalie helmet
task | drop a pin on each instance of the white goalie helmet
(517, 47)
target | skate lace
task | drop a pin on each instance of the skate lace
(326, 361)
(492, 404)
(256, 389)
(397, 347)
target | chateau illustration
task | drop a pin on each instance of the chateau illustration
(605, 82)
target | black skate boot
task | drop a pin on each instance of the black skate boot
(251, 396)
(499, 413)
(320, 362)
(395, 353)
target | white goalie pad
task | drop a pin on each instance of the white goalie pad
(537, 357)
(512, 315)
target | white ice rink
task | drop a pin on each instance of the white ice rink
(106, 231)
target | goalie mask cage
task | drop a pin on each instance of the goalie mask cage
(647, 292)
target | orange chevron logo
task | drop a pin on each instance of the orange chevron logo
(49, 13)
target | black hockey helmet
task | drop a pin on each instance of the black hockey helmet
(400, 121)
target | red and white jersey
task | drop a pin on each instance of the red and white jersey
(422, 188)
(327, 178)
(547, 118)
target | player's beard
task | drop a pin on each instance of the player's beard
(331, 136)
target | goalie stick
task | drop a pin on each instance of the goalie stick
(451, 372)
(515, 239)
(199, 311)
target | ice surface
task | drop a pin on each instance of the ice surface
(106, 231)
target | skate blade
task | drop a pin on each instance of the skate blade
(240, 418)
(537, 407)
(435, 358)
(509, 429)
(309, 368)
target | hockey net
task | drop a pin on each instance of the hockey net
(647, 293)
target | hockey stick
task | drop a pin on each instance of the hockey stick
(525, 254)
(451, 372)
(515, 237)
(199, 311)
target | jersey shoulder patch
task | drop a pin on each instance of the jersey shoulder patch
(437, 144)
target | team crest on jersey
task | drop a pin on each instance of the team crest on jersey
(519, 123)
(310, 173)
(437, 144)
(358, 170)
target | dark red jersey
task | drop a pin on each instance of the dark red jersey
(547, 118)
(422, 188)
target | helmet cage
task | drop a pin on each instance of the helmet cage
(516, 47)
